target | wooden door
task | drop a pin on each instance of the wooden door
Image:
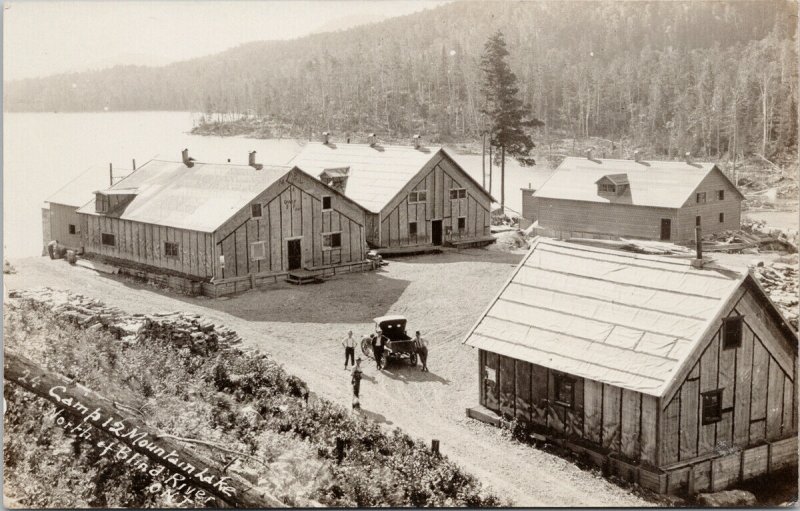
(666, 229)
(490, 373)
(295, 254)
(436, 232)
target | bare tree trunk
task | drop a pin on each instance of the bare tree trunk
(503, 179)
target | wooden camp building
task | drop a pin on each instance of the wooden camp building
(656, 200)
(679, 377)
(416, 196)
(222, 228)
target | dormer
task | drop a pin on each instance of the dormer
(612, 185)
(110, 201)
(336, 178)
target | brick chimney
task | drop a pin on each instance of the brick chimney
(252, 161)
(189, 162)
(637, 156)
(373, 140)
(688, 156)
(417, 141)
(326, 137)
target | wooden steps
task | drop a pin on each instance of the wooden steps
(301, 277)
(483, 414)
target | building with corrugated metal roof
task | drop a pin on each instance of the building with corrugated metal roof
(658, 200)
(220, 228)
(677, 374)
(416, 196)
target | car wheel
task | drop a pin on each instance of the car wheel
(366, 348)
(413, 359)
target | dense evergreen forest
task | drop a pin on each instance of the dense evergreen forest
(709, 77)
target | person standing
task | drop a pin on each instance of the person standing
(349, 344)
(421, 344)
(377, 348)
(355, 381)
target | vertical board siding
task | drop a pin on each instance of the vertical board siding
(631, 415)
(612, 397)
(523, 391)
(708, 382)
(593, 410)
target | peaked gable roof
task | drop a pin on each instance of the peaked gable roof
(625, 319)
(376, 173)
(200, 198)
(664, 184)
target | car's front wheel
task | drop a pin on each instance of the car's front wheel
(413, 359)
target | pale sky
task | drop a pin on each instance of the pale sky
(42, 38)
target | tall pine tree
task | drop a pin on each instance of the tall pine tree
(508, 117)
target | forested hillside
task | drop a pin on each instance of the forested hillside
(669, 76)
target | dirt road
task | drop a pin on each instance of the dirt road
(302, 328)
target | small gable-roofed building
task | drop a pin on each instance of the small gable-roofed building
(416, 196)
(679, 376)
(224, 228)
(658, 200)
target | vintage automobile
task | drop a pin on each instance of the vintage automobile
(397, 344)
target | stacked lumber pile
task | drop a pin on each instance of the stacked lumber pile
(185, 330)
(779, 279)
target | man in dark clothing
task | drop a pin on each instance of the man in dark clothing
(377, 348)
(421, 345)
(355, 380)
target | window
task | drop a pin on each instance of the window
(255, 210)
(326, 202)
(418, 196)
(170, 249)
(108, 239)
(720, 194)
(72, 228)
(701, 197)
(332, 241)
(712, 406)
(607, 188)
(462, 223)
(458, 193)
(565, 390)
(412, 228)
(731, 332)
(697, 221)
(258, 250)
(721, 217)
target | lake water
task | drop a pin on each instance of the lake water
(44, 151)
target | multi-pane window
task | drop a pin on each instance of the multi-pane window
(170, 249)
(712, 406)
(701, 197)
(605, 187)
(412, 228)
(332, 240)
(565, 390)
(418, 196)
(720, 194)
(458, 193)
(732, 332)
(326, 202)
(258, 250)
(108, 239)
(255, 210)
(72, 228)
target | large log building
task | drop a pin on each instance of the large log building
(221, 228)
(656, 200)
(416, 196)
(678, 376)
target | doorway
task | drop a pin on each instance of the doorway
(436, 232)
(295, 254)
(666, 229)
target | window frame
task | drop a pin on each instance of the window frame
(330, 202)
(698, 221)
(72, 229)
(727, 343)
(263, 245)
(104, 236)
(175, 252)
(701, 195)
(720, 194)
(558, 381)
(458, 225)
(330, 236)
(722, 218)
(717, 417)
(417, 199)
(607, 188)
(415, 229)
(460, 193)
(253, 210)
